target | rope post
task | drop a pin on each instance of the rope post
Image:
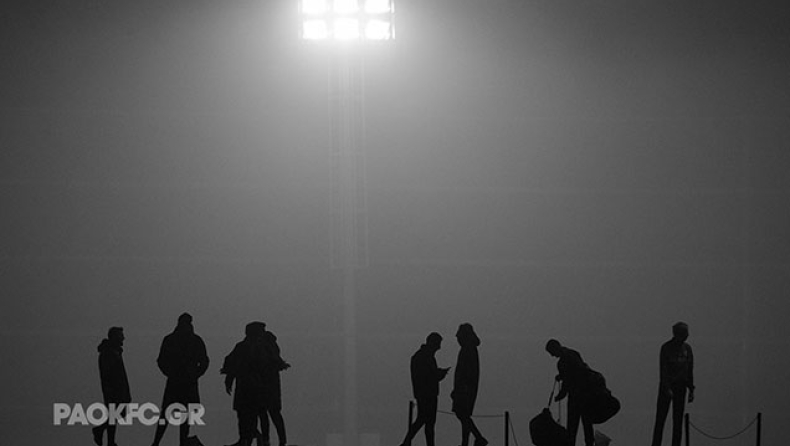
(687, 422)
(759, 427)
(507, 429)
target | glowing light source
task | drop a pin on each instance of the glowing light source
(346, 29)
(345, 20)
(346, 6)
(378, 30)
(313, 7)
(315, 30)
(378, 6)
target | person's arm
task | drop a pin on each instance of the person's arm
(203, 358)
(691, 374)
(664, 370)
(164, 361)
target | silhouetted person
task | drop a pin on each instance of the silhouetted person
(465, 385)
(114, 382)
(183, 360)
(676, 376)
(245, 366)
(425, 377)
(572, 372)
(273, 389)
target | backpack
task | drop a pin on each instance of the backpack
(599, 405)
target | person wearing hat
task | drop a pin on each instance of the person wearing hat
(183, 360)
(676, 377)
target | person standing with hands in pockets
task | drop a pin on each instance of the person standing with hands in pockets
(676, 376)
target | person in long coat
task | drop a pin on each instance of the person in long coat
(273, 389)
(114, 381)
(246, 367)
(183, 360)
(466, 383)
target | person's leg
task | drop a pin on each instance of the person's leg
(279, 425)
(111, 434)
(160, 432)
(414, 428)
(464, 428)
(662, 409)
(678, 407)
(589, 432)
(430, 406)
(183, 433)
(479, 439)
(98, 433)
(262, 437)
(574, 416)
(247, 421)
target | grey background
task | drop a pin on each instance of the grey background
(591, 171)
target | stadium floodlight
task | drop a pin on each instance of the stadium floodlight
(314, 7)
(378, 6)
(346, 20)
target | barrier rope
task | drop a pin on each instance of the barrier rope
(513, 433)
(473, 416)
(729, 437)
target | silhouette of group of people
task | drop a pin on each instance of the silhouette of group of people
(676, 381)
(254, 365)
(425, 378)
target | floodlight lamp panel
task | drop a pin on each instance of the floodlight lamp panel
(315, 7)
(378, 30)
(346, 29)
(346, 6)
(315, 30)
(378, 6)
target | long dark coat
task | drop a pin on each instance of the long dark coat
(114, 382)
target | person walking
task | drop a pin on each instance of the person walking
(245, 366)
(273, 389)
(425, 378)
(676, 377)
(183, 360)
(466, 383)
(114, 382)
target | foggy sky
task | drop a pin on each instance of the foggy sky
(589, 171)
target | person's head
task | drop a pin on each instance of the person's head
(184, 319)
(466, 335)
(434, 341)
(554, 347)
(255, 329)
(115, 334)
(680, 331)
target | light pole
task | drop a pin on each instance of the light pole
(342, 25)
